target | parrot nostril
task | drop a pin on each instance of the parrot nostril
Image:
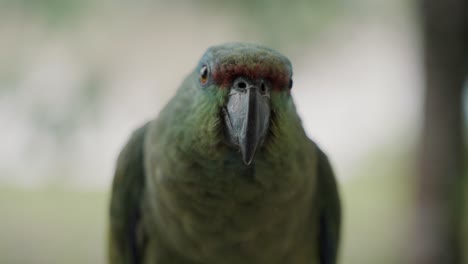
(241, 85)
(262, 88)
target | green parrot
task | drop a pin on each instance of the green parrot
(226, 173)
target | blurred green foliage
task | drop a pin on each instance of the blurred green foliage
(377, 206)
(279, 23)
(284, 23)
(57, 12)
(52, 226)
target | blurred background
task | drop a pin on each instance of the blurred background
(76, 77)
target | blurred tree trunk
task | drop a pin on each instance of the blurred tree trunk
(438, 230)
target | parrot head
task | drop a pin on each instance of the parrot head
(250, 75)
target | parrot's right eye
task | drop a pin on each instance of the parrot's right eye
(204, 75)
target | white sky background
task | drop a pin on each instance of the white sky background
(357, 87)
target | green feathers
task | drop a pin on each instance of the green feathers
(226, 173)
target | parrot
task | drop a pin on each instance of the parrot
(226, 174)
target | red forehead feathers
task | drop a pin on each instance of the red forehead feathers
(275, 73)
(253, 61)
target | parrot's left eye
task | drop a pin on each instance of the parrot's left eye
(204, 75)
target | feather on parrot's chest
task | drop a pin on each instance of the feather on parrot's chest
(230, 213)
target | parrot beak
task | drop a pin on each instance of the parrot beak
(247, 116)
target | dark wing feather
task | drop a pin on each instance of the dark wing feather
(329, 212)
(127, 188)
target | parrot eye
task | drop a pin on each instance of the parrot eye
(290, 85)
(204, 74)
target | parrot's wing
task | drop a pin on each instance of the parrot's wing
(125, 234)
(330, 211)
